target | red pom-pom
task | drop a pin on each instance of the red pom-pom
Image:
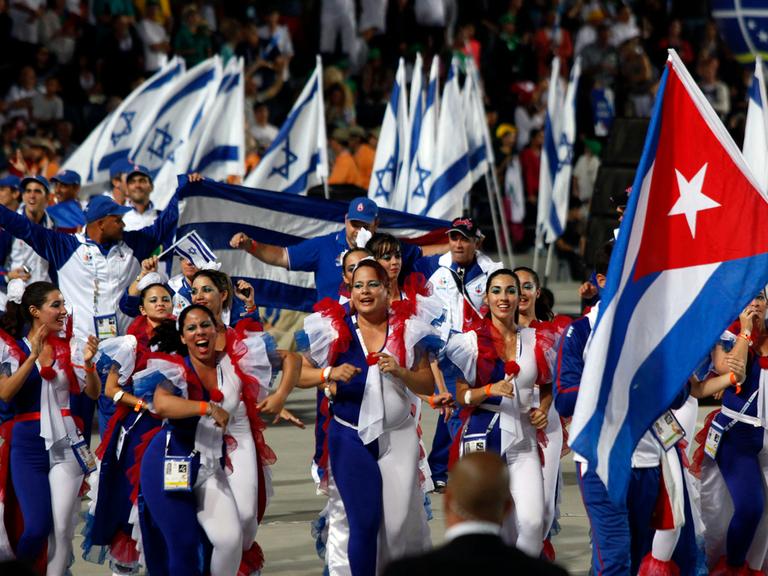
(48, 373)
(512, 368)
(216, 395)
(763, 360)
(371, 359)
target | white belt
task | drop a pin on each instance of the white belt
(344, 422)
(743, 418)
(490, 407)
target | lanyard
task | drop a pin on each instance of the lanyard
(168, 440)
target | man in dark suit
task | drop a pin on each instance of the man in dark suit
(476, 501)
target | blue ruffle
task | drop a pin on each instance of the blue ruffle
(144, 387)
(91, 552)
(302, 341)
(319, 530)
(428, 507)
(275, 360)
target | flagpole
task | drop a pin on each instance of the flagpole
(548, 265)
(494, 216)
(172, 246)
(536, 250)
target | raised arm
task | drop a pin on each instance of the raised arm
(267, 253)
(144, 241)
(56, 247)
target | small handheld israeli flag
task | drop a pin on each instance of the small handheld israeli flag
(193, 248)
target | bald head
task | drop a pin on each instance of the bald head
(478, 489)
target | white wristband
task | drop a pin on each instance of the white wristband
(326, 374)
(468, 397)
(119, 394)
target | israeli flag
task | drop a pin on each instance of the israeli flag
(297, 159)
(755, 148)
(474, 122)
(453, 178)
(176, 121)
(548, 166)
(423, 142)
(192, 247)
(391, 149)
(119, 132)
(561, 189)
(399, 199)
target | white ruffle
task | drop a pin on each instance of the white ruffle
(6, 552)
(261, 358)
(121, 351)
(77, 357)
(462, 351)
(417, 330)
(321, 335)
(370, 422)
(160, 372)
(8, 362)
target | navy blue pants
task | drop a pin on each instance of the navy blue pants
(621, 535)
(356, 473)
(738, 462)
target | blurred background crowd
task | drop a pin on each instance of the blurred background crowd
(65, 64)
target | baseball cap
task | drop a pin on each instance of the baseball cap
(363, 209)
(118, 167)
(467, 227)
(36, 178)
(67, 177)
(10, 181)
(102, 206)
(137, 169)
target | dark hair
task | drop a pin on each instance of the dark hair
(146, 289)
(167, 335)
(17, 316)
(541, 310)
(381, 243)
(352, 251)
(603, 258)
(222, 282)
(381, 274)
(503, 272)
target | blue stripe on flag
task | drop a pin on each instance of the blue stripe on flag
(195, 85)
(183, 254)
(161, 81)
(550, 148)
(219, 233)
(554, 221)
(221, 153)
(287, 126)
(477, 156)
(279, 294)
(447, 181)
(754, 91)
(111, 158)
(300, 184)
(202, 248)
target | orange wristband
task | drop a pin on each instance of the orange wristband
(203, 408)
(487, 390)
(139, 405)
(431, 400)
(732, 376)
(252, 246)
(749, 342)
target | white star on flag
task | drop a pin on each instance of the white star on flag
(691, 200)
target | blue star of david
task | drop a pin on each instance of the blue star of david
(127, 118)
(160, 141)
(290, 158)
(422, 174)
(380, 174)
(192, 250)
(564, 152)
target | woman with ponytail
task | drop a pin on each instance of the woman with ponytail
(48, 458)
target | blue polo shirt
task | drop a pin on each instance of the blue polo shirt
(322, 255)
(68, 216)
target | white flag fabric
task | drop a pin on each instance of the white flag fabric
(172, 129)
(755, 146)
(548, 166)
(399, 198)
(297, 159)
(119, 132)
(390, 151)
(193, 248)
(474, 120)
(561, 189)
(452, 175)
(423, 141)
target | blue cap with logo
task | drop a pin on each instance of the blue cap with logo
(42, 180)
(119, 167)
(102, 206)
(363, 209)
(67, 177)
(134, 169)
(10, 181)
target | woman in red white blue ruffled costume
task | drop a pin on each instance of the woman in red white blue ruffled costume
(39, 372)
(505, 374)
(379, 362)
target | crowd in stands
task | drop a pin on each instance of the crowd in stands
(66, 64)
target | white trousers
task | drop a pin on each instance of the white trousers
(524, 527)
(65, 479)
(218, 516)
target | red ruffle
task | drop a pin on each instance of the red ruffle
(62, 354)
(123, 549)
(194, 385)
(120, 413)
(547, 337)
(252, 561)
(548, 551)
(511, 368)
(331, 309)
(134, 472)
(47, 373)
(14, 349)
(142, 330)
(722, 568)
(701, 439)
(323, 463)
(763, 361)
(371, 359)
(650, 566)
(415, 285)
(216, 395)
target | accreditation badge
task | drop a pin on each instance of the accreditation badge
(668, 430)
(83, 455)
(105, 326)
(714, 436)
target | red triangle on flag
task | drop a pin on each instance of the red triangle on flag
(702, 208)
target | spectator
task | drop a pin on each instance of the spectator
(232, 33)
(344, 171)
(337, 23)
(48, 107)
(192, 42)
(164, 17)
(638, 79)
(466, 45)
(339, 100)
(10, 192)
(600, 59)
(26, 24)
(105, 9)
(124, 52)
(276, 47)
(18, 101)
(139, 187)
(154, 37)
(530, 163)
(58, 31)
(63, 134)
(625, 27)
(431, 18)
(262, 131)
(568, 246)
(373, 18)
(588, 33)
(675, 40)
(529, 115)
(713, 88)
(364, 154)
(551, 40)
(585, 171)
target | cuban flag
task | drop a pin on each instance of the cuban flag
(391, 149)
(452, 179)
(119, 132)
(297, 159)
(554, 225)
(474, 123)
(180, 113)
(678, 275)
(217, 211)
(423, 141)
(755, 146)
(548, 166)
